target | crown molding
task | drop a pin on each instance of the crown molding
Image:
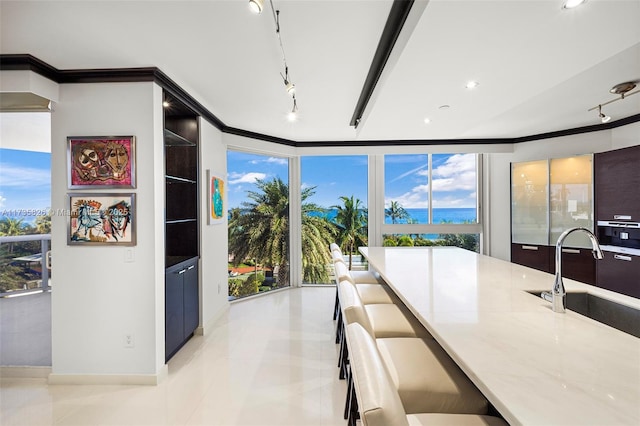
(26, 62)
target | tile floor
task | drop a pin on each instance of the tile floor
(269, 360)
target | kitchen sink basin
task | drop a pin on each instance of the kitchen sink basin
(616, 315)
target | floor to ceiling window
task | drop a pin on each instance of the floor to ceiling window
(258, 199)
(25, 239)
(431, 199)
(334, 209)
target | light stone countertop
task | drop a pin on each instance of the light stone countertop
(536, 367)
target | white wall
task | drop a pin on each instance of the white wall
(213, 238)
(499, 170)
(625, 136)
(97, 296)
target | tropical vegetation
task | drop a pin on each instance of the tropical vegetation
(259, 230)
(396, 212)
(351, 221)
(15, 275)
(259, 236)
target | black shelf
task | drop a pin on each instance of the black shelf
(176, 179)
(169, 222)
(174, 139)
(181, 139)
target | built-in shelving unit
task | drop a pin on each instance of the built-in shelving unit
(181, 137)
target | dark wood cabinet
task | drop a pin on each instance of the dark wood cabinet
(181, 138)
(577, 264)
(617, 184)
(547, 198)
(620, 273)
(181, 304)
(531, 255)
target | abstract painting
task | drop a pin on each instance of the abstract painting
(101, 219)
(216, 199)
(107, 162)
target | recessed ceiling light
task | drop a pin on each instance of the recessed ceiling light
(427, 120)
(444, 107)
(570, 4)
(256, 5)
(166, 104)
(472, 84)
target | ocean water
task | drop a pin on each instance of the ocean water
(450, 215)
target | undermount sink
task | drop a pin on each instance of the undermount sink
(616, 315)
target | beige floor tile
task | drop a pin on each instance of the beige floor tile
(270, 360)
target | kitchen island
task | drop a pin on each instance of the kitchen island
(535, 366)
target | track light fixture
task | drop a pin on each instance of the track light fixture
(603, 118)
(622, 89)
(257, 6)
(293, 115)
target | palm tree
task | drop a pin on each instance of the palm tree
(352, 225)
(317, 233)
(10, 227)
(260, 229)
(396, 212)
(43, 224)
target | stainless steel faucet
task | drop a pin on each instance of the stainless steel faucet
(558, 295)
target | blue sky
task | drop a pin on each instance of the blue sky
(25, 178)
(25, 181)
(454, 180)
(332, 176)
(406, 178)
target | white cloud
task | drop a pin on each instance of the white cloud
(272, 160)
(2, 200)
(235, 178)
(23, 177)
(458, 173)
(456, 164)
(417, 198)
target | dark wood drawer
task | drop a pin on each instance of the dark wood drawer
(577, 264)
(619, 273)
(531, 255)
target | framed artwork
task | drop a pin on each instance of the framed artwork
(101, 219)
(215, 199)
(101, 161)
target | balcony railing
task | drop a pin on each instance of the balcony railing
(39, 259)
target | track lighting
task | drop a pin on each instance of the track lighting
(256, 5)
(293, 114)
(291, 88)
(603, 118)
(622, 89)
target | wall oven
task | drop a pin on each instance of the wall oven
(619, 236)
(619, 271)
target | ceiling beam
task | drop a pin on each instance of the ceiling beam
(395, 21)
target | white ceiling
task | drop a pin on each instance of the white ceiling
(540, 67)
